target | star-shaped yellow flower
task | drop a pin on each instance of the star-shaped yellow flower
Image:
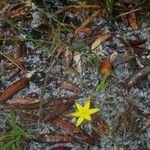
(84, 112)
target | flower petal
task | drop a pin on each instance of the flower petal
(87, 117)
(79, 107)
(92, 111)
(76, 114)
(87, 105)
(79, 121)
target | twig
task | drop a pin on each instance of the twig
(131, 11)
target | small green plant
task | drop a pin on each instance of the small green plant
(109, 5)
(16, 137)
(102, 85)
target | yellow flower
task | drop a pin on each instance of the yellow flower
(84, 112)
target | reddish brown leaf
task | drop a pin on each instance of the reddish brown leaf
(132, 43)
(1, 6)
(31, 118)
(100, 125)
(132, 21)
(61, 148)
(139, 74)
(16, 87)
(136, 42)
(70, 129)
(106, 66)
(53, 138)
(66, 85)
(59, 51)
(142, 49)
(58, 109)
(58, 100)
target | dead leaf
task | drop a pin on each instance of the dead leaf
(27, 117)
(100, 126)
(100, 40)
(58, 108)
(62, 148)
(14, 88)
(66, 85)
(1, 6)
(23, 101)
(53, 138)
(132, 21)
(106, 66)
(70, 129)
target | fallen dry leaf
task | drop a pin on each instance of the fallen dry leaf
(66, 85)
(58, 107)
(100, 126)
(69, 128)
(53, 138)
(15, 87)
(23, 101)
(100, 40)
(62, 148)
(106, 66)
(132, 21)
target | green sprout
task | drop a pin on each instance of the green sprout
(15, 139)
